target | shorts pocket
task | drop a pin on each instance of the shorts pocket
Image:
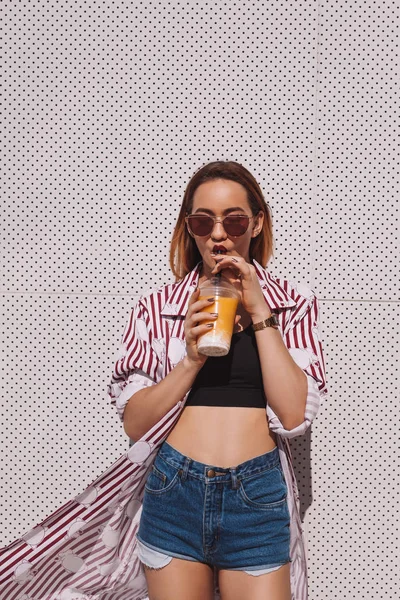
(266, 490)
(162, 477)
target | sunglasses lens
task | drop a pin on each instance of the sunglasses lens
(236, 225)
(201, 225)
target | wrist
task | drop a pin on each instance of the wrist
(260, 315)
(191, 365)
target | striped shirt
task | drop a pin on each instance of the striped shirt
(87, 548)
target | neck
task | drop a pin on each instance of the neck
(205, 274)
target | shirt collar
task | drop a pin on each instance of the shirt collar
(177, 302)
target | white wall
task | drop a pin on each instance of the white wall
(110, 108)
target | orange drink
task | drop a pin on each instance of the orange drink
(217, 341)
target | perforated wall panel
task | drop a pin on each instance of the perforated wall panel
(357, 148)
(58, 433)
(109, 109)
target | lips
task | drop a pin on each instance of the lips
(219, 250)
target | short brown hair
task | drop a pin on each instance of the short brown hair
(184, 254)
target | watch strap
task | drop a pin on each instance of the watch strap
(272, 321)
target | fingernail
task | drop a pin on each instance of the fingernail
(214, 314)
(210, 299)
(234, 260)
(210, 325)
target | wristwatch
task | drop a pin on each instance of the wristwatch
(272, 321)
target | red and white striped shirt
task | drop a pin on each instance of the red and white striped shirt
(87, 550)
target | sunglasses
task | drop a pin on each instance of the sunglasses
(202, 225)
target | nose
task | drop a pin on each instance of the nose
(218, 232)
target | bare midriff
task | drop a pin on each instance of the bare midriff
(222, 436)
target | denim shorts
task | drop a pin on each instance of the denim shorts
(234, 518)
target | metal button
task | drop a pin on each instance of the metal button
(210, 473)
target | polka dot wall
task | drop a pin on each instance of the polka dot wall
(109, 108)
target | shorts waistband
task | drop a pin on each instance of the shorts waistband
(207, 472)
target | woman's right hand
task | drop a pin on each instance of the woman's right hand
(194, 326)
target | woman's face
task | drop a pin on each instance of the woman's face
(218, 198)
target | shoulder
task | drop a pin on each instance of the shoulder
(154, 300)
(299, 299)
(299, 291)
(284, 293)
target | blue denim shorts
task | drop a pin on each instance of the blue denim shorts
(234, 518)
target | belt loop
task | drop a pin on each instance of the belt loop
(235, 482)
(185, 469)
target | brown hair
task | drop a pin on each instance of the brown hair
(184, 254)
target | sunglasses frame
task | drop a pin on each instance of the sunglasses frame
(218, 220)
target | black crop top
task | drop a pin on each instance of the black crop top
(231, 380)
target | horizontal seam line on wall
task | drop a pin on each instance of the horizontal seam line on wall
(137, 295)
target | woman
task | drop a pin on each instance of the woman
(222, 211)
(205, 503)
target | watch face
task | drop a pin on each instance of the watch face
(275, 319)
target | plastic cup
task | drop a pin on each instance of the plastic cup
(217, 341)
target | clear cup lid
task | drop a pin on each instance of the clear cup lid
(219, 284)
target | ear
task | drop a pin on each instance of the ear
(258, 224)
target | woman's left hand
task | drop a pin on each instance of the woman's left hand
(244, 277)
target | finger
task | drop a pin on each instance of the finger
(197, 317)
(200, 329)
(218, 262)
(237, 267)
(229, 264)
(197, 320)
(194, 296)
(199, 305)
(229, 271)
(193, 326)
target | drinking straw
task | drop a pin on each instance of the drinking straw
(218, 275)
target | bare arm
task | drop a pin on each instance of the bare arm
(147, 406)
(285, 384)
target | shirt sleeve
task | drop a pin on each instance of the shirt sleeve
(303, 341)
(137, 365)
